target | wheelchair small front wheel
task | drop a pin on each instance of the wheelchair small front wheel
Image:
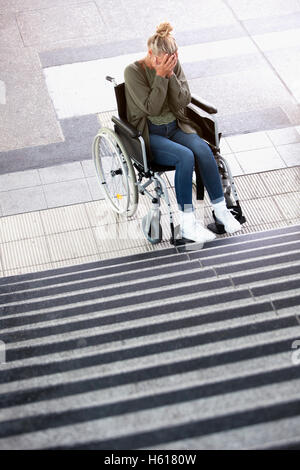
(115, 172)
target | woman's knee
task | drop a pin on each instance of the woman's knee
(186, 158)
(204, 153)
(199, 148)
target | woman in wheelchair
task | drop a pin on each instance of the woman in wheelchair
(156, 94)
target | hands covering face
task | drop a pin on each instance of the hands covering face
(165, 64)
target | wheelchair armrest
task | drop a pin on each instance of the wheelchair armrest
(205, 129)
(201, 103)
(126, 127)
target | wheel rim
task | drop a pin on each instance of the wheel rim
(112, 171)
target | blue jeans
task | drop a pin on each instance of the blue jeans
(172, 147)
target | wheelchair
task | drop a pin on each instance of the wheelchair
(121, 164)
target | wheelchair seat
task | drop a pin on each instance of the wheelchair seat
(160, 168)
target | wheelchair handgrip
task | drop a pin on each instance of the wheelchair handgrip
(202, 104)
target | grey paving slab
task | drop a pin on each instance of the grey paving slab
(110, 49)
(206, 34)
(117, 17)
(284, 136)
(22, 200)
(257, 9)
(94, 187)
(76, 42)
(67, 192)
(19, 179)
(234, 165)
(28, 117)
(272, 23)
(122, 16)
(80, 129)
(258, 160)
(88, 168)
(9, 32)
(55, 174)
(199, 14)
(2, 93)
(70, 55)
(287, 64)
(222, 65)
(290, 153)
(59, 23)
(241, 91)
(21, 5)
(251, 121)
(249, 141)
(79, 133)
(34, 157)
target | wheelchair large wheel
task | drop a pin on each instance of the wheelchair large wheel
(227, 182)
(115, 172)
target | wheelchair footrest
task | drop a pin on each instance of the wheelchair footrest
(178, 239)
(219, 228)
(216, 228)
(181, 241)
(152, 229)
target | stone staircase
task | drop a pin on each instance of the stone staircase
(172, 349)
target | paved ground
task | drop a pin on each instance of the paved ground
(54, 57)
(55, 54)
(242, 56)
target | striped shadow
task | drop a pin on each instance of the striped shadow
(195, 428)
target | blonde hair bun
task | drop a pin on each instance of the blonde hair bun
(164, 29)
(162, 42)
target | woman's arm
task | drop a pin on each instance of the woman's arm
(179, 91)
(149, 100)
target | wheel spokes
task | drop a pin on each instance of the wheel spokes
(113, 173)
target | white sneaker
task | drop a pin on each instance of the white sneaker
(225, 217)
(208, 234)
(193, 230)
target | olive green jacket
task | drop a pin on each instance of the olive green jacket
(143, 101)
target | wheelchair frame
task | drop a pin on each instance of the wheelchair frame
(133, 145)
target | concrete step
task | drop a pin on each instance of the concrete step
(184, 283)
(129, 395)
(170, 348)
(143, 260)
(167, 263)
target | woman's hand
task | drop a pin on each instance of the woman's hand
(172, 72)
(165, 68)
